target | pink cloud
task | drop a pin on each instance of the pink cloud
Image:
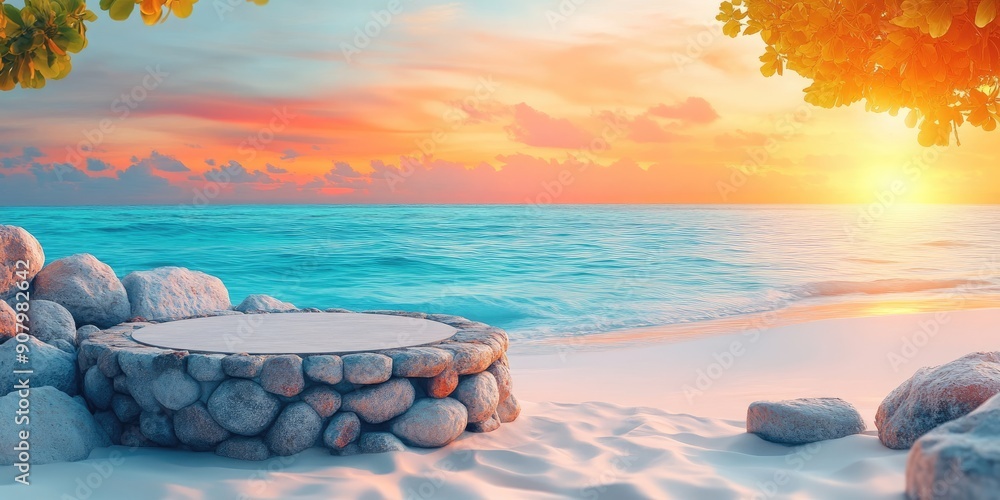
(535, 128)
(693, 110)
(645, 129)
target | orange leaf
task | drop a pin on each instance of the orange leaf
(986, 13)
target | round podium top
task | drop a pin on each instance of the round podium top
(294, 333)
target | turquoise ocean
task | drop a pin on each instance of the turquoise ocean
(554, 271)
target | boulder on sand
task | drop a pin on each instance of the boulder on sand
(480, 395)
(380, 442)
(16, 246)
(804, 421)
(431, 423)
(937, 395)
(49, 321)
(60, 429)
(960, 459)
(51, 367)
(297, 428)
(171, 293)
(264, 303)
(8, 322)
(86, 287)
(344, 429)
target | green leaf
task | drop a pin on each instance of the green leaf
(44, 64)
(121, 9)
(70, 40)
(13, 13)
(21, 45)
(66, 66)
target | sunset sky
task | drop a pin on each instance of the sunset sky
(473, 102)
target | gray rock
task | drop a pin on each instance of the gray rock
(195, 427)
(158, 427)
(264, 303)
(86, 287)
(343, 429)
(16, 245)
(367, 368)
(804, 421)
(958, 460)
(480, 396)
(52, 367)
(61, 430)
(125, 407)
(937, 395)
(243, 448)
(328, 369)
(419, 361)
(120, 383)
(282, 375)
(380, 403)
(443, 384)
(344, 387)
(110, 424)
(206, 367)
(8, 322)
(107, 362)
(380, 442)
(494, 338)
(207, 388)
(502, 375)
(296, 429)
(242, 365)
(387, 312)
(170, 360)
(137, 365)
(431, 423)
(349, 450)
(489, 425)
(171, 293)
(63, 346)
(451, 320)
(509, 409)
(243, 407)
(175, 389)
(324, 400)
(85, 332)
(89, 352)
(469, 358)
(133, 437)
(337, 310)
(50, 321)
(98, 388)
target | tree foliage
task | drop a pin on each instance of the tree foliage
(938, 59)
(36, 40)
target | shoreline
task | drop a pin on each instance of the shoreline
(815, 358)
(796, 314)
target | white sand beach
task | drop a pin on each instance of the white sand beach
(627, 422)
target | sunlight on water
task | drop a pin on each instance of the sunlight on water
(553, 271)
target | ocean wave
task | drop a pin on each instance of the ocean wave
(947, 243)
(872, 261)
(882, 287)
